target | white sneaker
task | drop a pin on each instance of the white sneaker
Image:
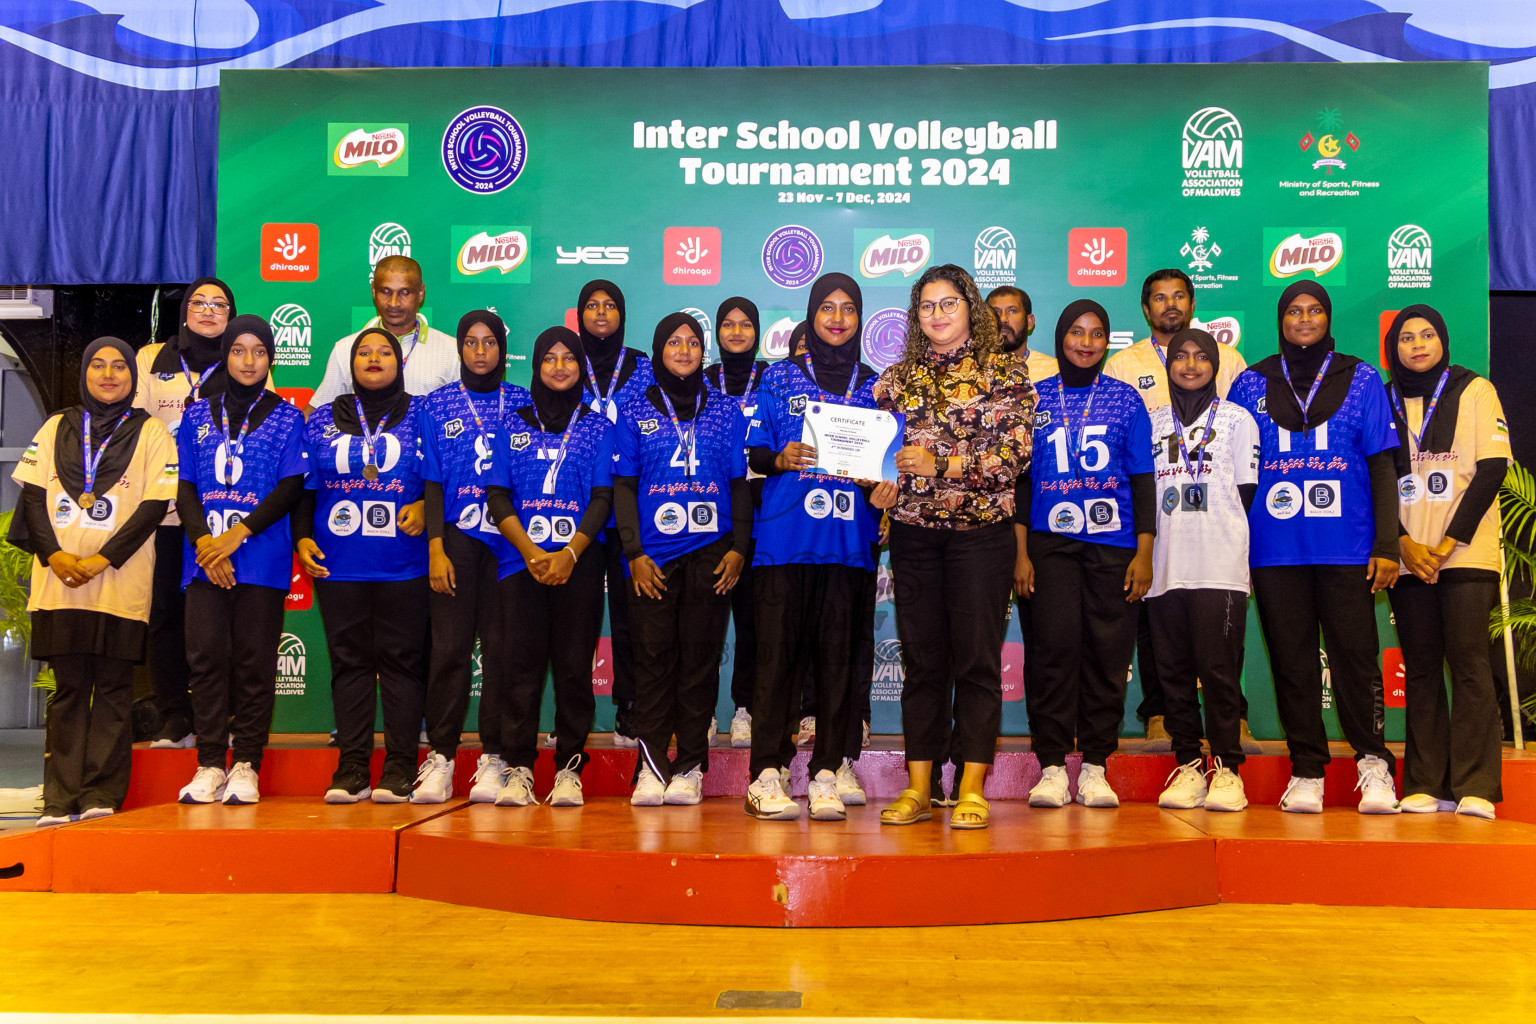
(486, 782)
(1377, 793)
(825, 806)
(848, 789)
(649, 792)
(784, 780)
(1423, 803)
(1302, 796)
(807, 734)
(686, 789)
(1226, 789)
(434, 782)
(206, 787)
(866, 735)
(567, 791)
(1186, 787)
(741, 728)
(1476, 807)
(516, 788)
(179, 743)
(52, 819)
(1093, 788)
(767, 801)
(713, 736)
(241, 787)
(92, 813)
(1051, 790)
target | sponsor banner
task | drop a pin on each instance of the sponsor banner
(1226, 328)
(1410, 261)
(292, 331)
(1096, 257)
(1211, 154)
(290, 252)
(491, 255)
(364, 150)
(1298, 254)
(995, 261)
(690, 256)
(893, 256)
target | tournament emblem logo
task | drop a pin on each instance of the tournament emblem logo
(996, 258)
(1296, 253)
(1212, 153)
(884, 338)
(388, 239)
(1329, 145)
(1410, 258)
(358, 147)
(883, 254)
(520, 441)
(484, 150)
(291, 659)
(792, 256)
(291, 328)
(504, 251)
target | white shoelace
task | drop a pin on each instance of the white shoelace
(568, 773)
(433, 766)
(1193, 767)
(208, 776)
(1374, 776)
(489, 765)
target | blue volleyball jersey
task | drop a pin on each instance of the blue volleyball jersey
(747, 399)
(357, 519)
(1313, 505)
(550, 492)
(683, 507)
(457, 452)
(231, 481)
(1090, 500)
(633, 387)
(807, 517)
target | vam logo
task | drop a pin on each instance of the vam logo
(388, 239)
(1212, 153)
(884, 253)
(291, 663)
(889, 665)
(1410, 258)
(996, 258)
(291, 327)
(1313, 253)
(358, 149)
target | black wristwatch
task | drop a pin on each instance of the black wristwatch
(940, 465)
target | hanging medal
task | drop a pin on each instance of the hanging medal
(370, 441)
(88, 496)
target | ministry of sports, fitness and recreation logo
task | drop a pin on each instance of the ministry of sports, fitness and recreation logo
(484, 150)
(1212, 153)
(291, 660)
(360, 149)
(885, 252)
(1410, 260)
(291, 332)
(996, 259)
(1200, 250)
(885, 338)
(1331, 143)
(388, 239)
(1303, 253)
(792, 256)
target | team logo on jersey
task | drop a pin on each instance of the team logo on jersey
(1410, 489)
(818, 503)
(538, 529)
(202, 433)
(1146, 381)
(166, 376)
(453, 428)
(1262, 405)
(64, 512)
(520, 441)
(1283, 500)
(1438, 484)
(330, 431)
(701, 517)
(649, 427)
(1170, 500)
(470, 517)
(1042, 418)
(797, 405)
(1066, 518)
(670, 518)
(345, 519)
(1323, 499)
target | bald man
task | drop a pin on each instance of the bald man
(431, 357)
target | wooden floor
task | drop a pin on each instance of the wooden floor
(366, 954)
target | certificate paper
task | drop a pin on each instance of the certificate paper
(858, 444)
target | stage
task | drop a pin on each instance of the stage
(714, 865)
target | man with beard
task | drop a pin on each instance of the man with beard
(1016, 322)
(1168, 303)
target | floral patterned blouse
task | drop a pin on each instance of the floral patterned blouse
(983, 416)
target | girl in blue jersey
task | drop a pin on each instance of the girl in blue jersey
(359, 535)
(812, 561)
(738, 329)
(685, 517)
(464, 423)
(551, 490)
(242, 472)
(614, 374)
(1322, 540)
(1088, 509)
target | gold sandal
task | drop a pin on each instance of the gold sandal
(974, 807)
(897, 814)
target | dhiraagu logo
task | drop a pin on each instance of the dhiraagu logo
(368, 150)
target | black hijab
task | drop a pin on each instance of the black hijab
(687, 393)
(1441, 435)
(390, 401)
(483, 382)
(554, 409)
(735, 370)
(607, 353)
(199, 352)
(1280, 400)
(833, 367)
(1072, 375)
(795, 337)
(242, 401)
(1188, 405)
(68, 459)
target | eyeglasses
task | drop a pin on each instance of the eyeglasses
(949, 305)
(199, 306)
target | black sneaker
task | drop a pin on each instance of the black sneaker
(175, 734)
(395, 783)
(348, 785)
(623, 727)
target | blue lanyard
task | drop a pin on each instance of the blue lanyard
(197, 385)
(553, 474)
(501, 407)
(88, 496)
(1075, 445)
(685, 438)
(602, 401)
(238, 448)
(370, 441)
(1286, 371)
(1198, 470)
(1429, 410)
(853, 381)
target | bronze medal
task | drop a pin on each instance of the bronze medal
(370, 472)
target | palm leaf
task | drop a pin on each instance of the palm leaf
(1517, 510)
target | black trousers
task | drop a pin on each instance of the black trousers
(474, 609)
(1294, 602)
(557, 630)
(744, 656)
(376, 634)
(952, 591)
(232, 638)
(619, 600)
(1084, 632)
(1453, 746)
(1152, 703)
(815, 610)
(1198, 636)
(89, 738)
(167, 631)
(677, 642)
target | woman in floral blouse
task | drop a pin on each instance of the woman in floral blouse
(969, 411)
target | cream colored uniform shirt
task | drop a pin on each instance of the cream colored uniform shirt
(1141, 368)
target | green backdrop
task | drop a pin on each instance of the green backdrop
(1071, 181)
